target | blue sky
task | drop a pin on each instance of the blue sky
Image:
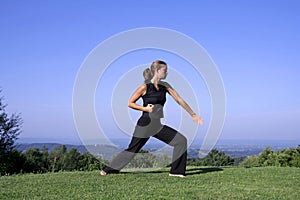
(255, 45)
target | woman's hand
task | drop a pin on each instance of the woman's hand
(197, 119)
(149, 108)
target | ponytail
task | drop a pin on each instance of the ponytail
(147, 74)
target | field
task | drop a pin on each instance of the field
(200, 183)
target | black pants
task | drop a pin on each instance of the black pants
(142, 133)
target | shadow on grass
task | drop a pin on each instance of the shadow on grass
(194, 171)
(189, 172)
(138, 171)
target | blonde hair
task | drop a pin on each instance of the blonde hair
(149, 72)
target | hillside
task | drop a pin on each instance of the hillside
(234, 150)
(201, 183)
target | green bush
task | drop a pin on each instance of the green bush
(213, 158)
(251, 161)
(284, 158)
(12, 162)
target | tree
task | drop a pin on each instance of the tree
(34, 161)
(218, 158)
(71, 160)
(56, 158)
(214, 158)
(266, 158)
(295, 162)
(284, 158)
(45, 158)
(10, 128)
(11, 160)
(143, 159)
(251, 161)
(163, 161)
(89, 162)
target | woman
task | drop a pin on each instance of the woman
(153, 92)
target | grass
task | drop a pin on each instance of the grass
(201, 183)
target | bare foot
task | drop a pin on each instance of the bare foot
(177, 175)
(103, 173)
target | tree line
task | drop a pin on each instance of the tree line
(34, 160)
(148, 160)
(289, 157)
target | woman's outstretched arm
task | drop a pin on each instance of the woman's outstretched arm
(183, 104)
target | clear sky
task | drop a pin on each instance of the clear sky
(255, 45)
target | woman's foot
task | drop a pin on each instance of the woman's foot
(177, 175)
(103, 173)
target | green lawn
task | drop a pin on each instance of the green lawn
(201, 183)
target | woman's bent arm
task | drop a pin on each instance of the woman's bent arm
(136, 95)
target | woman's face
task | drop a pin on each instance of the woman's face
(162, 72)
